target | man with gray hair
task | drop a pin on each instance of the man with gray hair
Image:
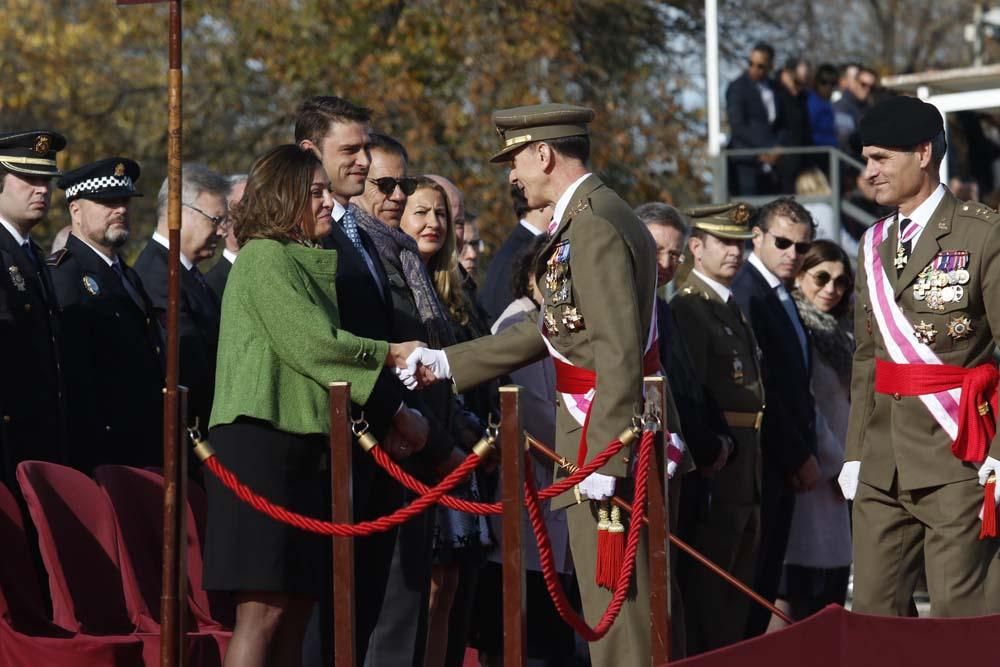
(204, 218)
(219, 274)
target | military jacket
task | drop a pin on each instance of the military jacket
(726, 359)
(897, 434)
(113, 361)
(598, 279)
(32, 406)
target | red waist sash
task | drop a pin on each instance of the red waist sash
(976, 426)
(572, 379)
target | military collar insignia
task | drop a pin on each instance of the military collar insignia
(90, 284)
(580, 207)
(17, 279)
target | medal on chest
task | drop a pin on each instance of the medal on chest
(17, 279)
(942, 281)
(925, 333)
(557, 272)
(737, 368)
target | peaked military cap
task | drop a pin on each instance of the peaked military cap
(31, 152)
(727, 221)
(110, 178)
(900, 122)
(521, 125)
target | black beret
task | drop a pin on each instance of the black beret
(900, 122)
(31, 152)
(110, 178)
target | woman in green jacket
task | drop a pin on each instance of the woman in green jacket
(280, 345)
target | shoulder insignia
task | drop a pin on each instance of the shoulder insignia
(973, 209)
(579, 208)
(57, 257)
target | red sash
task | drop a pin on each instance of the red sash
(572, 379)
(976, 426)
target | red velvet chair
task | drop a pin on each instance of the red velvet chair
(137, 497)
(27, 636)
(78, 538)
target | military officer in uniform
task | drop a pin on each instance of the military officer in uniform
(927, 316)
(32, 406)
(726, 360)
(598, 280)
(111, 343)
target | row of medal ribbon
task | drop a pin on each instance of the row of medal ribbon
(942, 281)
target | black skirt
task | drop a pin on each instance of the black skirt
(247, 551)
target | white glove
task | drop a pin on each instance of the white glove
(597, 487)
(436, 361)
(848, 478)
(990, 465)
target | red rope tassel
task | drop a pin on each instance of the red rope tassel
(601, 574)
(988, 527)
(615, 555)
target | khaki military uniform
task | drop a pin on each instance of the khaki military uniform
(599, 298)
(726, 360)
(916, 502)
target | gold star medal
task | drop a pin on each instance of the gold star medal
(960, 327)
(924, 332)
(572, 319)
(17, 279)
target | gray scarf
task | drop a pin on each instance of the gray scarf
(399, 250)
(832, 341)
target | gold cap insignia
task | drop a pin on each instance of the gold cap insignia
(119, 170)
(740, 214)
(42, 144)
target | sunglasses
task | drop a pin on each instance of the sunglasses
(781, 243)
(387, 185)
(822, 278)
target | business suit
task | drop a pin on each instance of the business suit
(198, 325)
(218, 275)
(915, 497)
(750, 127)
(599, 291)
(788, 433)
(496, 293)
(32, 405)
(112, 357)
(726, 360)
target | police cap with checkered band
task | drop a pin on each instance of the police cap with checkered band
(31, 152)
(110, 178)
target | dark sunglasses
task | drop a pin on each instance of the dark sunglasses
(822, 278)
(387, 185)
(781, 243)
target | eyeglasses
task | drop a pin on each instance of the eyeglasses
(675, 257)
(217, 220)
(781, 243)
(822, 278)
(387, 185)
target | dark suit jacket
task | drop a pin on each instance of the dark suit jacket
(111, 360)
(748, 123)
(32, 406)
(496, 293)
(788, 434)
(199, 326)
(218, 275)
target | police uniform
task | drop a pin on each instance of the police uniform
(111, 343)
(32, 406)
(937, 304)
(598, 279)
(726, 360)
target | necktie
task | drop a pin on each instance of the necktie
(907, 231)
(793, 315)
(30, 252)
(127, 284)
(351, 229)
(206, 292)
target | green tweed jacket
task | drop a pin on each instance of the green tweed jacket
(280, 343)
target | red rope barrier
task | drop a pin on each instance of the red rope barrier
(381, 524)
(473, 507)
(552, 582)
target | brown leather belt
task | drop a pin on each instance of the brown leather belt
(744, 419)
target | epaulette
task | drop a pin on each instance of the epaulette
(974, 209)
(57, 257)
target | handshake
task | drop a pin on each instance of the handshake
(418, 366)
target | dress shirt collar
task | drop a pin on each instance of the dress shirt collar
(110, 261)
(13, 232)
(772, 280)
(534, 232)
(922, 214)
(338, 211)
(162, 240)
(564, 199)
(717, 287)
(229, 255)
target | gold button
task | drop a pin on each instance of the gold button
(27, 307)
(6, 419)
(896, 397)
